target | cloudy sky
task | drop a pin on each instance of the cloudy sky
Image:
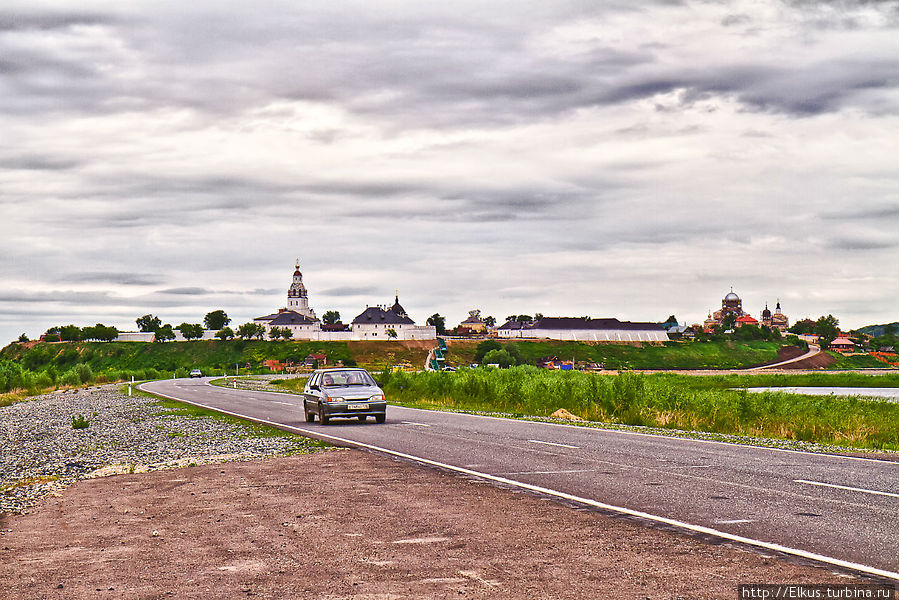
(614, 158)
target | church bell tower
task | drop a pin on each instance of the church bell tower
(297, 299)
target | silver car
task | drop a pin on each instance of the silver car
(350, 393)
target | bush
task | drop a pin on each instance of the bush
(500, 357)
(70, 378)
(85, 373)
(80, 422)
(11, 376)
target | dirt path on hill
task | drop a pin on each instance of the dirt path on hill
(348, 524)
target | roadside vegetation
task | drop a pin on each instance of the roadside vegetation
(664, 400)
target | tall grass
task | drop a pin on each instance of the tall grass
(655, 400)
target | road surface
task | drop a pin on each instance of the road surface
(841, 510)
(813, 350)
(860, 392)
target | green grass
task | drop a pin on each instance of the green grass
(861, 361)
(664, 400)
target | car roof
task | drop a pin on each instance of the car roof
(332, 369)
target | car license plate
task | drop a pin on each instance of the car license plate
(357, 406)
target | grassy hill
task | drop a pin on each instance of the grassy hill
(878, 330)
(217, 356)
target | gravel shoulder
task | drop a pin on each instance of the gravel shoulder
(336, 524)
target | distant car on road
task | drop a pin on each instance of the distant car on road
(343, 393)
(196, 373)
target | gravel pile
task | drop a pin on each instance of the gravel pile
(41, 451)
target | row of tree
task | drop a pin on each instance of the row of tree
(73, 333)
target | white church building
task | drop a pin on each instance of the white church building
(374, 323)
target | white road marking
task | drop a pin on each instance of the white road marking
(686, 466)
(734, 522)
(656, 435)
(846, 487)
(413, 423)
(586, 501)
(554, 444)
(279, 402)
(548, 472)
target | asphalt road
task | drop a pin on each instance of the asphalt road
(837, 508)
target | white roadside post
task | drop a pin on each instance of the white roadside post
(130, 383)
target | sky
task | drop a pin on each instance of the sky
(572, 158)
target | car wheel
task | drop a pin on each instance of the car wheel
(309, 416)
(380, 418)
(361, 418)
(322, 416)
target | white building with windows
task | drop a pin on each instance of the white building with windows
(580, 329)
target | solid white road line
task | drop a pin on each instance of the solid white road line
(554, 444)
(846, 487)
(586, 501)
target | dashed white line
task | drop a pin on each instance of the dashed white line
(846, 487)
(414, 423)
(554, 444)
(279, 402)
(686, 466)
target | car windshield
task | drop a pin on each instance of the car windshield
(346, 378)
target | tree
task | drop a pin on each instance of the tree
(391, 333)
(805, 326)
(164, 334)
(191, 331)
(827, 329)
(70, 333)
(216, 319)
(100, 332)
(490, 321)
(538, 316)
(225, 333)
(148, 323)
(438, 322)
(484, 347)
(499, 357)
(280, 332)
(331, 317)
(251, 330)
(23, 338)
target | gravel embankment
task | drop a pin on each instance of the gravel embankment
(41, 452)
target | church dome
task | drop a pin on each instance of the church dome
(731, 296)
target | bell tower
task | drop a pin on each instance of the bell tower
(297, 299)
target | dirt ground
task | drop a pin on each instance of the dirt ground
(349, 524)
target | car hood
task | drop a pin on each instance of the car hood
(353, 391)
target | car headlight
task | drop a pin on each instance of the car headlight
(335, 399)
(377, 398)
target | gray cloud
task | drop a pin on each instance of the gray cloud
(113, 277)
(186, 291)
(603, 158)
(350, 291)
